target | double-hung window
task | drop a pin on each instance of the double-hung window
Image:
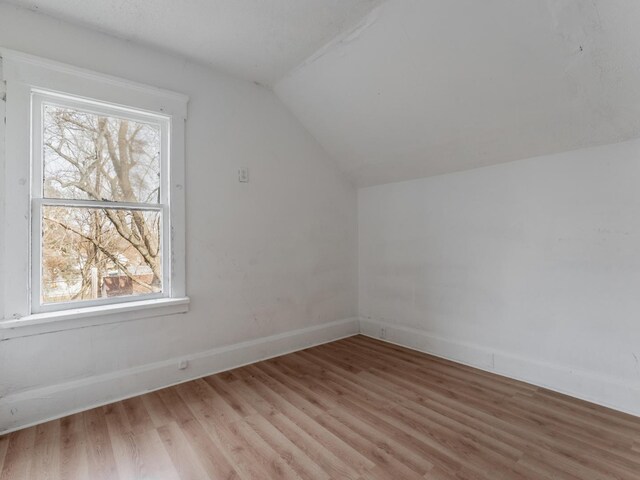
(94, 197)
(100, 210)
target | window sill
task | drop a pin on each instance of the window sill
(40, 323)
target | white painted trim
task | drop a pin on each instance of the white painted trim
(27, 408)
(3, 91)
(68, 202)
(38, 63)
(26, 74)
(31, 407)
(600, 389)
(49, 322)
(17, 202)
(38, 101)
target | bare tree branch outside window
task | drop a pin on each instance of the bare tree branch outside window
(90, 252)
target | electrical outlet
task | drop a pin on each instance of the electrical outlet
(383, 332)
(243, 175)
(183, 364)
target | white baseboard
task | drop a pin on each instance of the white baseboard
(600, 389)
(39, 405)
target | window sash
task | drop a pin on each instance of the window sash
(25, 75)
(38, 99)
(64, 202)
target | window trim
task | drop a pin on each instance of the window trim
(40, 98)
(27, 78)
(61, 320)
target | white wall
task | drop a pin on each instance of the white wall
(275, 255)
(530, 269)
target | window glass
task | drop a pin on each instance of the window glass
(93, 253)
(96, 157)
(100, 214)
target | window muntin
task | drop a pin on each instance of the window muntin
(100, 211)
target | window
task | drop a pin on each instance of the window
(97, 164)
(99, 203)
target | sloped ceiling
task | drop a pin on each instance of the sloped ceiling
(420, 87)
(257, 40)
(402, 89)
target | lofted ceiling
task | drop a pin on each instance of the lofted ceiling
(421, 87)
(257, 40)
(402, 89)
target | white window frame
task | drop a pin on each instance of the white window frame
(29, 82)
(38, 100)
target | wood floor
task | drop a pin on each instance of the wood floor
(353, 409)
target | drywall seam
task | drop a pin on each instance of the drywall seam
(345, 38)
(31, 407)
(603, 390)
